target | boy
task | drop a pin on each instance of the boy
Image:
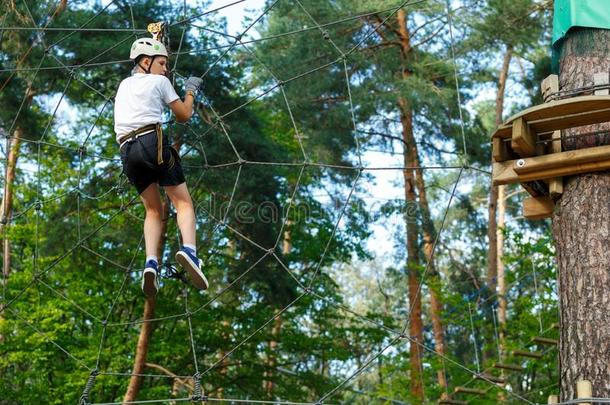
(148, 159)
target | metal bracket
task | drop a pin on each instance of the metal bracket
(158, 31)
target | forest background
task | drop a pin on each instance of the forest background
(323, 287)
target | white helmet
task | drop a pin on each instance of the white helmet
(148, 47)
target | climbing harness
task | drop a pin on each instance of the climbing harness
(145, 130)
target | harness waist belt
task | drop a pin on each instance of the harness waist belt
(136, 133)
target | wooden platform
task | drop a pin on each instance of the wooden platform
(558, 115)
(526, 148)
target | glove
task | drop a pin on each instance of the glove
(193, 84)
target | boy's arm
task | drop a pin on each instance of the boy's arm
(184, 109)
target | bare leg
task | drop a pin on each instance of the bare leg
(153, 222)
(185, 212)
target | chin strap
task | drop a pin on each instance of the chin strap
(152, 59)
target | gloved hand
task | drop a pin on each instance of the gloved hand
(193, 84)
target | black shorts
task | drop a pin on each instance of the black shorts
(139, 158)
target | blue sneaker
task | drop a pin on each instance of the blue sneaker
(150, 285)
(189, 262)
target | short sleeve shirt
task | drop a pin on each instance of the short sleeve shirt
(140, 101)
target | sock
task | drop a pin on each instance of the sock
(192, 248)
(153, 258)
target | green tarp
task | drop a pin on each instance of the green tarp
(577, 13)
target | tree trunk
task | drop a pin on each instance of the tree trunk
(434, 282)
(7, 200)
(413, 265)
(494, 233)
(581, 231)
(269, 383)
(135, 383)
(501, 207)
(139, 366)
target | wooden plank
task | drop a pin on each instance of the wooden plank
(510, 367)
(549, 125)
(500, 150)
(546, 341)
(558, 160)
(538, 207)
(542, 118)
(524, 353)
(492, 378)
(556, 184)
(466, 390)
(549, 166)
(599, 79)
(523, 140)
(549, 86)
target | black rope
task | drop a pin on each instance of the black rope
(171, 272)
(84, 399)
(564, 94)
(198, 395)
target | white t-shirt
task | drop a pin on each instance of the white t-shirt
(140, 101)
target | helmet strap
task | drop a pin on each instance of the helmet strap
(152, 59)
(147, 70)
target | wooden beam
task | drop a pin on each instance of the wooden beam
(466, 390)
(500, 150)
(492, 378)
(556, 184)
(523, 139)
(452, 402)
(538, 207)
(599, 79)
(571, 158)
(510, 367)
(546, 341)
(549, 166)
(525, 353)
(584, 389)
(549, 86)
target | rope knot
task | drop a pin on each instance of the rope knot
(84, 399)
(198, 391)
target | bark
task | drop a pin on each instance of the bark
(581, 229)
(496, 240)
(226, 328)
(271, 362)
(135, 383)
(413, 264)
(9, 180)
(7, 201)
(434, 282)
(501, 208)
